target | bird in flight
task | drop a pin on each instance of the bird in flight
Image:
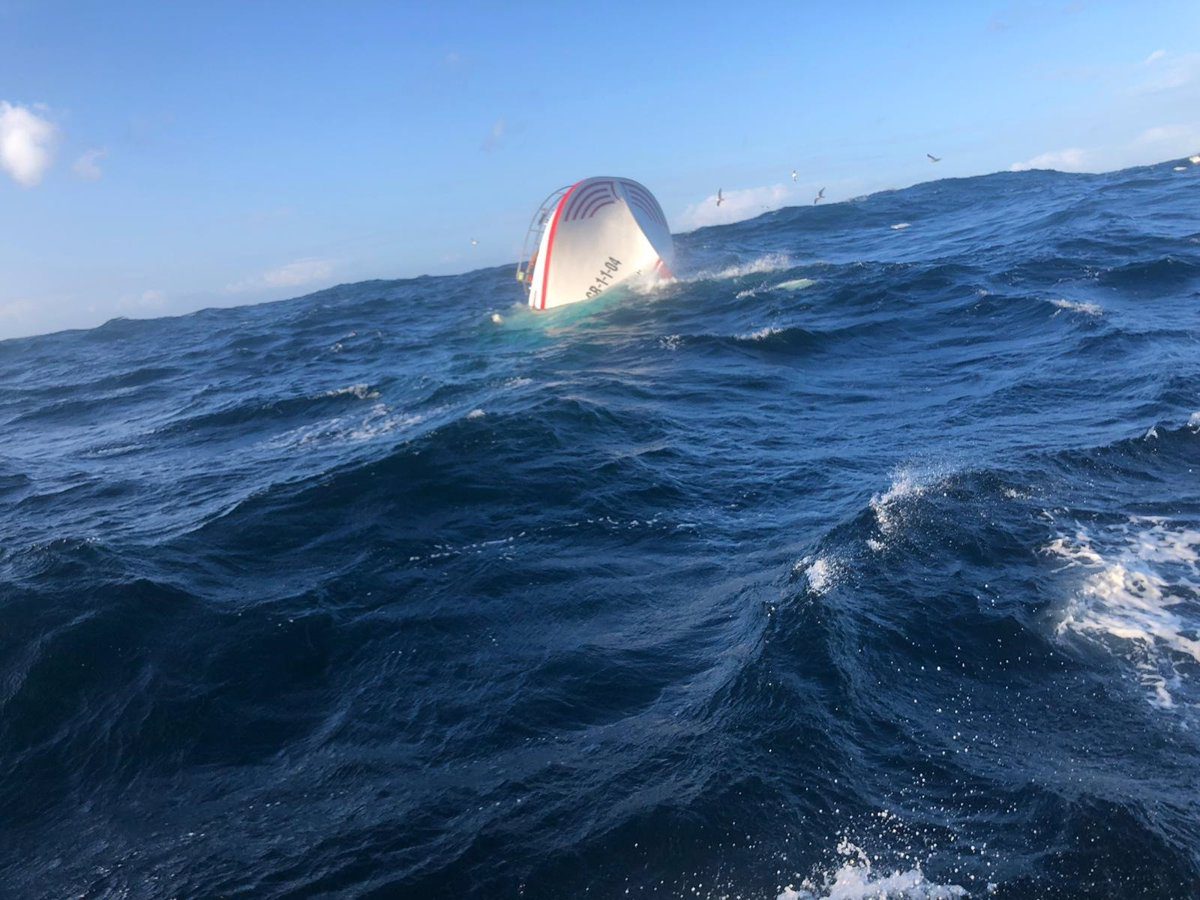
(474, 243)
(820, 196)
(933, 158)
(720, 197)
(793, 176)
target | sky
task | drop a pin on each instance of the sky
(157, 158)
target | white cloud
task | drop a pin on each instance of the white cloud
(26, 143)
(496, 135)
(1152, 145)
(1157, 87)
(1070, 160)
(1167, 141)
(87, 166)
(737, 205)
(293, 275)
(1171, 72)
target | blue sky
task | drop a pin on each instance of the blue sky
(155, 159)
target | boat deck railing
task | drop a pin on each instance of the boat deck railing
(533, 237)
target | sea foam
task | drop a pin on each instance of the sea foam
(856, 879)
(1138, 596)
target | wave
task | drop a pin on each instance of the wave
(852, 524)
(480, 461)
(358, 391)
(1088, 309)
(794, 284)
(892, 508)
(775, 338)
(759, 265)
(771, 337)
(1153, 276)
(129, 674)
(380, 421)
(249, 413)
(761, 335)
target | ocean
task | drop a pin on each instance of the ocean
(861, 560)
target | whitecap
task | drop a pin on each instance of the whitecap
(1138, 597)
(890, 506)
(769, 262)
(856, 880)
(900, 226)
(382, 420)
(852, 882)
(1088, 309)
(761, 335)
(361, 391)
(821, 572)
(649, 286)
(796, 284)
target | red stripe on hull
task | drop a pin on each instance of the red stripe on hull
(550, 243)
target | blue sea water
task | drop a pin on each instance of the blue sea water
(861, 560)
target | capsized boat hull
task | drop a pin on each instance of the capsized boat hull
(602, 232)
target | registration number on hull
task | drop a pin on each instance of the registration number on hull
(605, 278)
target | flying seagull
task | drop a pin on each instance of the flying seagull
(474, 243)
(820, 196)
(720, 197)
(793, 176)
(933, 158)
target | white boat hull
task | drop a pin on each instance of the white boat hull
(603, 232)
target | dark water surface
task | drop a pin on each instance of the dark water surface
(862, 559)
